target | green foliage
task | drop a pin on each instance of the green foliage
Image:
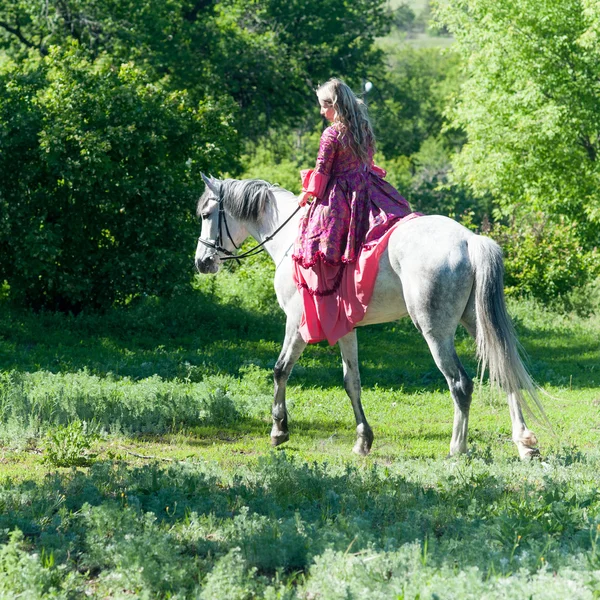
(130, 550)
(230, 578)
(264, 55)
(529, 105)
(408, 99)
(27, 575)
(44, 401)
(546, 260)
(280, 158)
(413, 18)
(295, 529)
(69, 445)
(98, 178)
(403, 17)
(407, 106)
(425, 180)
(109, 111)
(249, 284)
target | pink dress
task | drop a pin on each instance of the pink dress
(341, 238)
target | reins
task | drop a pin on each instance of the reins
(218, 246)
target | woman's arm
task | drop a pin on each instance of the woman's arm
(317, 183)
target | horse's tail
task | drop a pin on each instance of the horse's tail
(497, 345)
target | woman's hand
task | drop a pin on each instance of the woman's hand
(304, 198)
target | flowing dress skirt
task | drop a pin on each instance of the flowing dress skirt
(336, 284)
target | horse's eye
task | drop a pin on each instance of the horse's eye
(204, 216)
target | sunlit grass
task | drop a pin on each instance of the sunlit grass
(186, 499)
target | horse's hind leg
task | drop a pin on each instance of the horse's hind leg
(293, 346)
(523, 438)
(460, 384)
(364, 434)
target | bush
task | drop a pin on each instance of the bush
(425, 180)
(99, 172)
(69, 446)
(545, 259)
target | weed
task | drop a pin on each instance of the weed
(69, 446)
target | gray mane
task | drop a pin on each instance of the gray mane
(244, 199)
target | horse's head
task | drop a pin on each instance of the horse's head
(226, 208)
(219, 230)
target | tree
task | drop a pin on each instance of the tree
(409, 98)
(109, 110)
(530, 106)
(267, 55)
(98, 180)
(414, 143)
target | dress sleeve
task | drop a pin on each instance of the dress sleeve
(317, 183)
(378, 171)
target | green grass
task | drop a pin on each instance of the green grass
(417, 38)
(416, 5)
(183, 497)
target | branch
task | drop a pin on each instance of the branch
(590, 148)
(78, 25)
(17, 32)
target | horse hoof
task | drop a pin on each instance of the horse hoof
(362, 447)
(280, 438)
(364, 440)
(530, 454)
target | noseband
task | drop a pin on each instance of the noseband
(222, 221)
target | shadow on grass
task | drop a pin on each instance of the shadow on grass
(553, 357)
(154, 337)
(194, 336)
(171, 525)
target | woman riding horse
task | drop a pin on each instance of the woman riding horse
(351, 208)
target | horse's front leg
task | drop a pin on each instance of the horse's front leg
(293, 346)
(364, 433)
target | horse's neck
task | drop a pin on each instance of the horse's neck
(275, 216)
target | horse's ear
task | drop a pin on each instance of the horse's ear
(210, 183)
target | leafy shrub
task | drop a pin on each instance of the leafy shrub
(98, 180)
(69, 446)
(131, 553)
(545, 259)
(424, 179)
(408, 103)
(31, 404)
(230, 578)
(248, 285)
(26, 575)
(269, 543)
(221, 409)
(280, 159)
(224, 529)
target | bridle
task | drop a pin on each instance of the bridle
(222, 222)
(218, 243)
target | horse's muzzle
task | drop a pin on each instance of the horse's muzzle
(207, 265)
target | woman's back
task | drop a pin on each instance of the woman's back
(345, 160)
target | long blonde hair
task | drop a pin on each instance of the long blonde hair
(351, 117)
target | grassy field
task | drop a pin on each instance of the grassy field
(419, 36)
(135, 461)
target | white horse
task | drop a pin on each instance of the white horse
(435, 270)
